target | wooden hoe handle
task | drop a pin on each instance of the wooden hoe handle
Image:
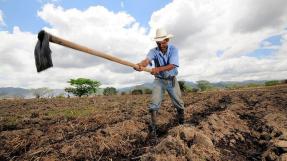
(75, 46)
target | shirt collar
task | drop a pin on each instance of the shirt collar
(167, 51)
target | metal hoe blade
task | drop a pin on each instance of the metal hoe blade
(42, 52)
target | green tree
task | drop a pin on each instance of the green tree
(194, 90)
(182, 86)
(110, 91)
(272, 83)
(83, 86)
(147, 91)
(137, 91)
(204, 85)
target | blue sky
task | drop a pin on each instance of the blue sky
(23, 13)
(262, 52)
(275, 40)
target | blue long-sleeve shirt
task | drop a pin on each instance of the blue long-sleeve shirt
(160, 59)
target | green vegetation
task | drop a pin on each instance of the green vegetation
(11, 120)
(272, 83)
(184, 87)
(123, 93)
(83, 86)
(204, 85)
(147, 91)
(61, 95)
(233, 86)
(72, 112)
(110, 91)
(252, 85)
(137, 91)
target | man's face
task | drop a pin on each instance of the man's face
(162, 44)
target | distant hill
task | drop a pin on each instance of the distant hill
(10, 92)
(142, 86)
(222, 84)
(229, 83)
(7, 92)
(194, 85)
(191, 84)
(16, 92)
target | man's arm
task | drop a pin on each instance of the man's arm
(156, 70)
(142, 64)
(145, 62)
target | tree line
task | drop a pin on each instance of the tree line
(85, 87)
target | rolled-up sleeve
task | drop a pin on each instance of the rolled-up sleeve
(174, 57)
(151, 55)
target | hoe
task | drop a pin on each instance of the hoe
(43, 52)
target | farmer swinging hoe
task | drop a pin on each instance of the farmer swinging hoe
(164, 56)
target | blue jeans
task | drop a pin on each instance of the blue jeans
(159, 86)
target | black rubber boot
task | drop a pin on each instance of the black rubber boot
(153, 127)
(180, 116)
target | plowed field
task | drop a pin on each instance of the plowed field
(236, 125)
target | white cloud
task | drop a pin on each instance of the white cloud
(117, 34)
(254, 15)
(201, 29)
(204, 27)
(16, 58)
(97, 28)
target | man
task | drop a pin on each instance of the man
(165, 58)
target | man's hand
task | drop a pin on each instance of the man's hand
(142, 65)
(139, 67)
(155, 71)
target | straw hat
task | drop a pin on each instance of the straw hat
(161, 34)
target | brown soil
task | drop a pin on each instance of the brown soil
(238, 125)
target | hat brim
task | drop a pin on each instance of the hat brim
(164, 37)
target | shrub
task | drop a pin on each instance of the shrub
(147, 91)
(204, 85)
(272, 83)
(184, 87)
(110, 91)
(194, 90)
(137, 91)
